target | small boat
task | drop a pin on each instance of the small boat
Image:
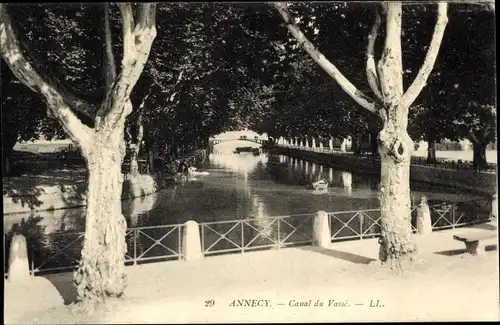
(201, 173)
(320, 185)
(193, 172)
(243, 149)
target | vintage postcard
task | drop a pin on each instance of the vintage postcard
(240, 162)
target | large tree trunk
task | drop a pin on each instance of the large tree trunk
(101, 271)
(431, 152)
(395, 151)
(479, 156)
(396, 147)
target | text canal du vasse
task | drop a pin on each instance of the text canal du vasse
(333, 303)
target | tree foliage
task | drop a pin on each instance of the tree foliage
(461, 93)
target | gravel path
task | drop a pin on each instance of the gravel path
(447, 285)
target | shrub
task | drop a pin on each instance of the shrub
(450, 146)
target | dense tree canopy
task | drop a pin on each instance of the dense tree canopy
(232, 66)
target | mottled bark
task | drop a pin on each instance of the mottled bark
(101, 271)
(395, 149)
(371, 70)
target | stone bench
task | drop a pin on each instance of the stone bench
(473, 240)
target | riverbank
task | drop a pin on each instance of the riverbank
(456, 286)
(465, 179)
(66, 188)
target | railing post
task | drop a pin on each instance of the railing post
(191, 244)
(135, 247)
(321, 230)
(279, 235)
(242, 237)
(202, 230)
(424, 222)
(33, 263)
(494, 206)
(453, 206)
(179, 241)
(18, 267)
(360, 225)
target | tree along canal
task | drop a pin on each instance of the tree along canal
(238, 187)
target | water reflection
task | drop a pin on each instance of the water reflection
(263, 221)
(239, 186)
(244, 186)
(239, 163)
(347, 182)
(64, 220)
(132, 209)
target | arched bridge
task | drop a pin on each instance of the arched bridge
(255, 140)
(238, 142)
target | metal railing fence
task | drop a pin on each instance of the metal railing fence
(61, 251)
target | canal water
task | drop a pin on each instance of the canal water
(237, 187)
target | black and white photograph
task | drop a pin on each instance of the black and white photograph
(244, 162)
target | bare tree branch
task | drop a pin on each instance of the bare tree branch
(73, 101)
(363, 100)
(137, 41)
(128, 27)
(77, 104)
(109, 68)
(390, 66)
(371, 69)
(58, 103)
(143, 102)
(421, 79)
(147, 14)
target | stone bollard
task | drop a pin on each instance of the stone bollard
(424, 224)
(494, 206)
(19, 270)
(321, 230)
(191, 243)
